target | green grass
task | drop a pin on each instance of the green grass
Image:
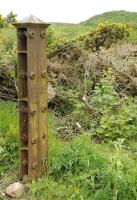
(78, 169)
(8, 136)
(83, 170)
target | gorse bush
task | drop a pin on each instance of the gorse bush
(104, 35)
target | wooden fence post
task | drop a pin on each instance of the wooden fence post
(33, 99)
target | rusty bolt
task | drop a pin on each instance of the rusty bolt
(34, 140)
(43, 109)
(24, 138)
(23, 75)
(34, 165)
(32, 75)
(31, 34)
(25, 162)
(44, 73)
(22, 34)
(23, 110)
(43, 34)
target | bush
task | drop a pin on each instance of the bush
(68, 50)
(104, 35)
(8, 46)
(118, 116)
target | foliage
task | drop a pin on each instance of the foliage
(78, 171)
(8, 133)
(1, 21)
(8, 46)
(104, 35)
(8, 63)
(100, 161)
(111, 17)
(71, 31)
(10, 18)
(52, 39)
(69, 51)
(117, 117)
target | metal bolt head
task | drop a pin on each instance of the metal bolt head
(43, 34)
(25, 163)
(43, 73)
(31, 34)
(34, 141)
(44, 109)
(23, 110)
(32, 112)
(23, 75)
(22, 34)
(24, 138)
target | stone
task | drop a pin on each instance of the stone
(51, 92)
(15, 190)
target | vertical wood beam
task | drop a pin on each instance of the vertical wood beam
(33, 100)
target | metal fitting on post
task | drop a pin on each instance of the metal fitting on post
(24, 138)
(43, 73)
(34, 141)
(31, 34)
(43, 109)
(25, 163)
(43, 34)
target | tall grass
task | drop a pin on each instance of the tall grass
(83, 170)
(8, 136)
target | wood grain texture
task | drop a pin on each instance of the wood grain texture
(33, 100)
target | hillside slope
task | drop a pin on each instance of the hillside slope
(113, 16)
(73, 30)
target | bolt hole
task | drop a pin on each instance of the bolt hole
(44, 136)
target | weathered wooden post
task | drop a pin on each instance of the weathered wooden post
(32, 84)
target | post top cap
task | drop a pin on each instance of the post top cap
(30, 20)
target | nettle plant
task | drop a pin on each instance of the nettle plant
(118, 116)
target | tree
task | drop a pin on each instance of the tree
(1, 21)
(11, 17)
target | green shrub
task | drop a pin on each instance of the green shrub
(118, 116)
(1, 21)
(8, 46)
